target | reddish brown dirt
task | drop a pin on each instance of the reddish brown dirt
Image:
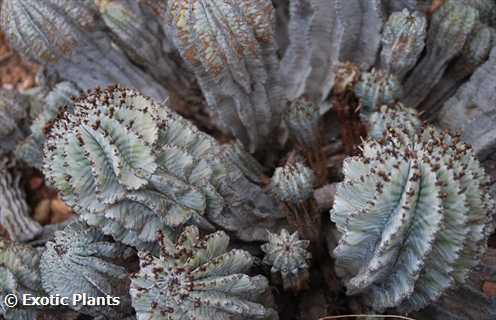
(14, 72)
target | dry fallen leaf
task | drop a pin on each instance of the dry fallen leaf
(489, 288)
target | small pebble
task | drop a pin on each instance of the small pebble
(60, 211)
(42, 212)
(489, 288)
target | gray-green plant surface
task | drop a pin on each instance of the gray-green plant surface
(172, 127)
(120, 153)
(414, 215)
(197, 277)
(80, 260)
(19, 274)
(288, 257)
(293, 183)
(14, 211)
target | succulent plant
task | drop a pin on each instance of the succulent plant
(288, 256)
(323, 34)
(244, 161)
(80, 260)
(14, 211)
(19, 275)
(452, 306)
(197, 278)
(142, 38)
(31, 149)
(452, 23)
(130, 27)
(393, 116)
(133, 168)
(298, 55)
(398, 5)
(486, 8)
(80, 51)
(293, 183)
(403, 40)
(469, 110)
(474, 53)
(413, 216)
(377, 88)
(271, 88)
(231, 48)
(302, 119)
(14, 108)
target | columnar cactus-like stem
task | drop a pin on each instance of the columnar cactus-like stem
(475, 52)
(302, 119)
(322, 34)
(14, 109)
(231, 48)
(293, 185)
(289, 258)
(197, 278)
(486, 8)
(377, 88)
(414, 217)
(14, 211)
(68, 38)
(403, 39)
(449, 30)
(142, 39)
(469, 110)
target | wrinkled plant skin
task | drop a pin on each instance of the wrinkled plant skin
(133, 168)
(68, 38)
(403, 40)
(289, 257)
(30, 149)
(197, 278)
(19, 274)
(14, 108)
(209, 137)
(238, 71)
(81, 261)
(421, 198)
(14, 211)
